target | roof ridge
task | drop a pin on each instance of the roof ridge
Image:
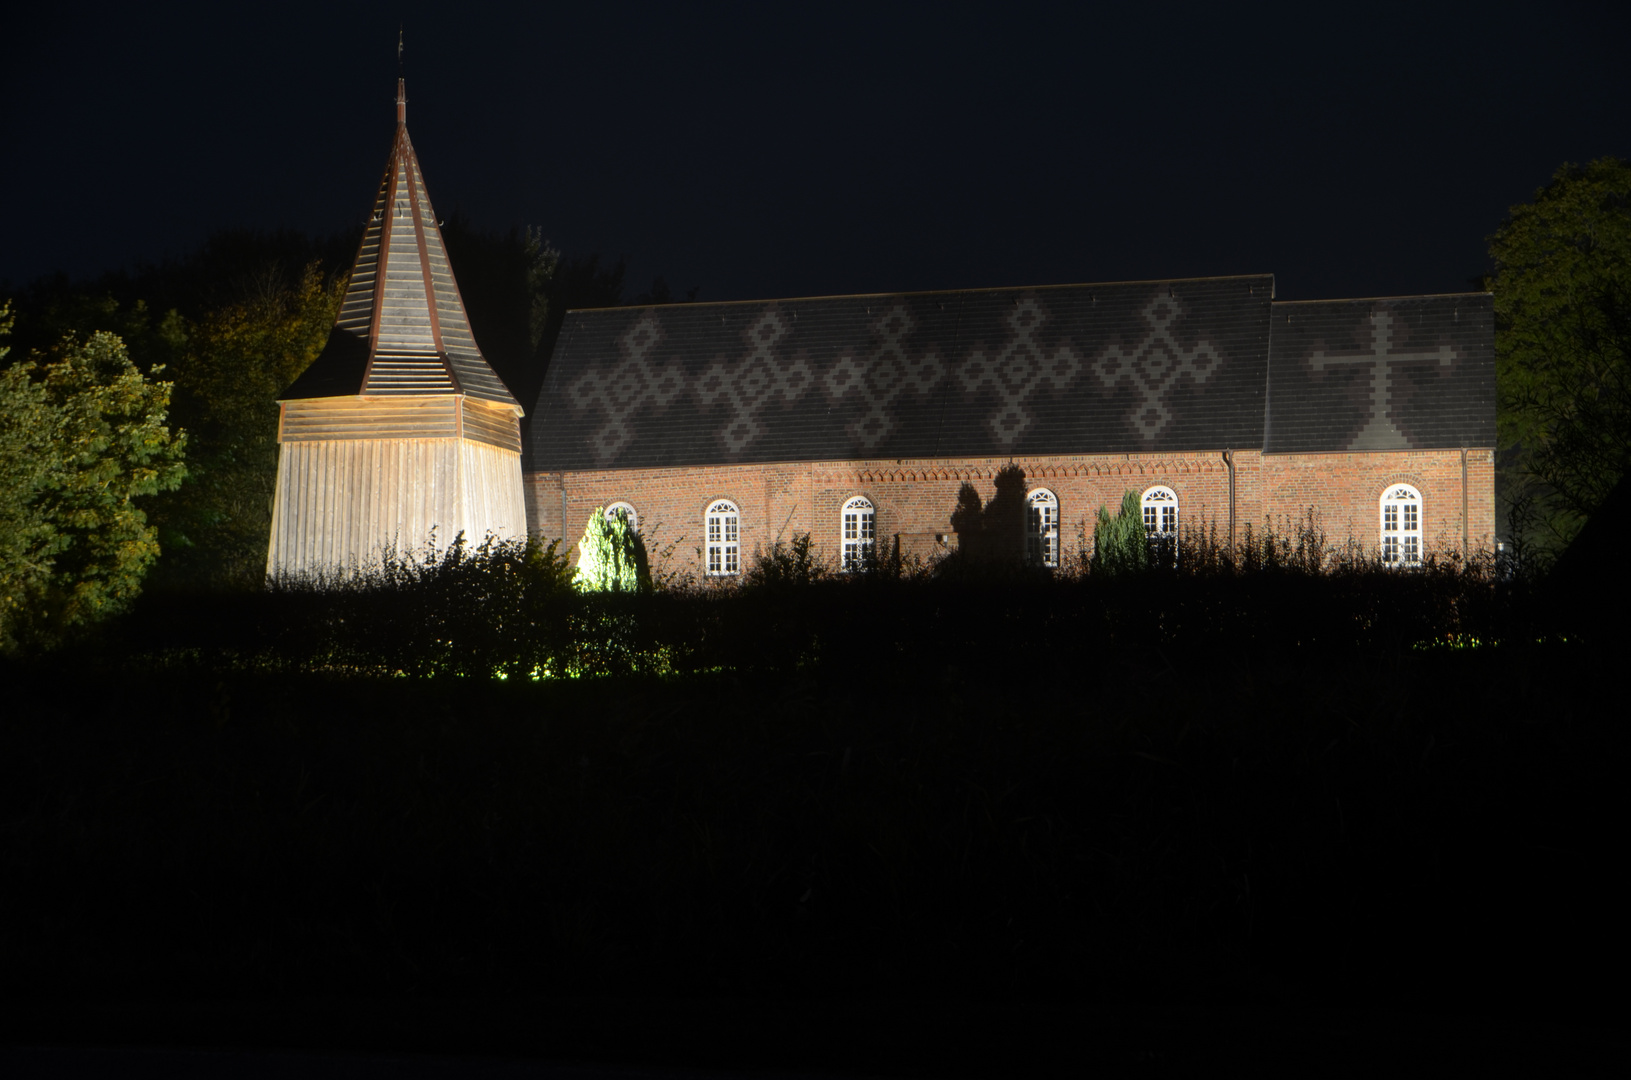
(931, 292)
(1397, 296)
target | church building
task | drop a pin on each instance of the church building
(721, 429)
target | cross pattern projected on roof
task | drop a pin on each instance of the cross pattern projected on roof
(890, 372)
(632, 384)
(1155, 365)
(1019, 368)
(749, 384)
(1380, 432)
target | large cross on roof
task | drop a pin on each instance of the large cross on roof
(1380, 432)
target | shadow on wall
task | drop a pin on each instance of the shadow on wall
(995, 531)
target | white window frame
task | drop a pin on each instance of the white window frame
(1401, 513)
(1042, 527)
(634, 517)
(722, 537)
(857, 533)
(1159, 506)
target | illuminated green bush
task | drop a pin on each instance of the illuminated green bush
(610, 555)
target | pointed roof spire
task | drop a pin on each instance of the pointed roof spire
(402, 327)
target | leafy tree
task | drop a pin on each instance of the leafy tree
(1562, 286)
(242, 316)
(610, 558)
(231, 364)
(82, 435)
(55, 310)
(1120, 545)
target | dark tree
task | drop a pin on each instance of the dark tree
(1562, 288)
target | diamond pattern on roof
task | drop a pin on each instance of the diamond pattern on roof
(1170, 365)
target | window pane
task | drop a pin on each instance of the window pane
(1042, 528)
(723, 525)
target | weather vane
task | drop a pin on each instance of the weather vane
(399, 48)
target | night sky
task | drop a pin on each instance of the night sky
(781, 150)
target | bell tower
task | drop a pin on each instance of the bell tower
(399, 427)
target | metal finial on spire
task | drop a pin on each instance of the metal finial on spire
(401, 83)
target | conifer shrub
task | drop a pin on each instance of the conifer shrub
(1120, 546)
(611, 557)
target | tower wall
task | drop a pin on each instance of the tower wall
(341, 503)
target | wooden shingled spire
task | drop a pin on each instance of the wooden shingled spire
(399, 434)
(403, 331)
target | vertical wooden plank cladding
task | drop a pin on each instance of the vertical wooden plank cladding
(493, 479)
(341, 502)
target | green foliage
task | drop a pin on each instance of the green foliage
(229, 370)
(247, 314)
(508, 611)
(611, 558)
(502, 608)
(1120, 546)
(1562, 288)
(55, 312)
(82, 435)
(788, 563)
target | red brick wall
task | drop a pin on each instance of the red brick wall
(1345, 492)
(916, 498)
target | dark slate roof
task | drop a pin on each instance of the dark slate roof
(1068, 369)
(403, 332)
(1403, 373)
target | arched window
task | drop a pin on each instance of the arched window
(1042, 528)
(628, 512)
(857, 532)
(724, 550)
(1161, 513)
(1401, 525)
